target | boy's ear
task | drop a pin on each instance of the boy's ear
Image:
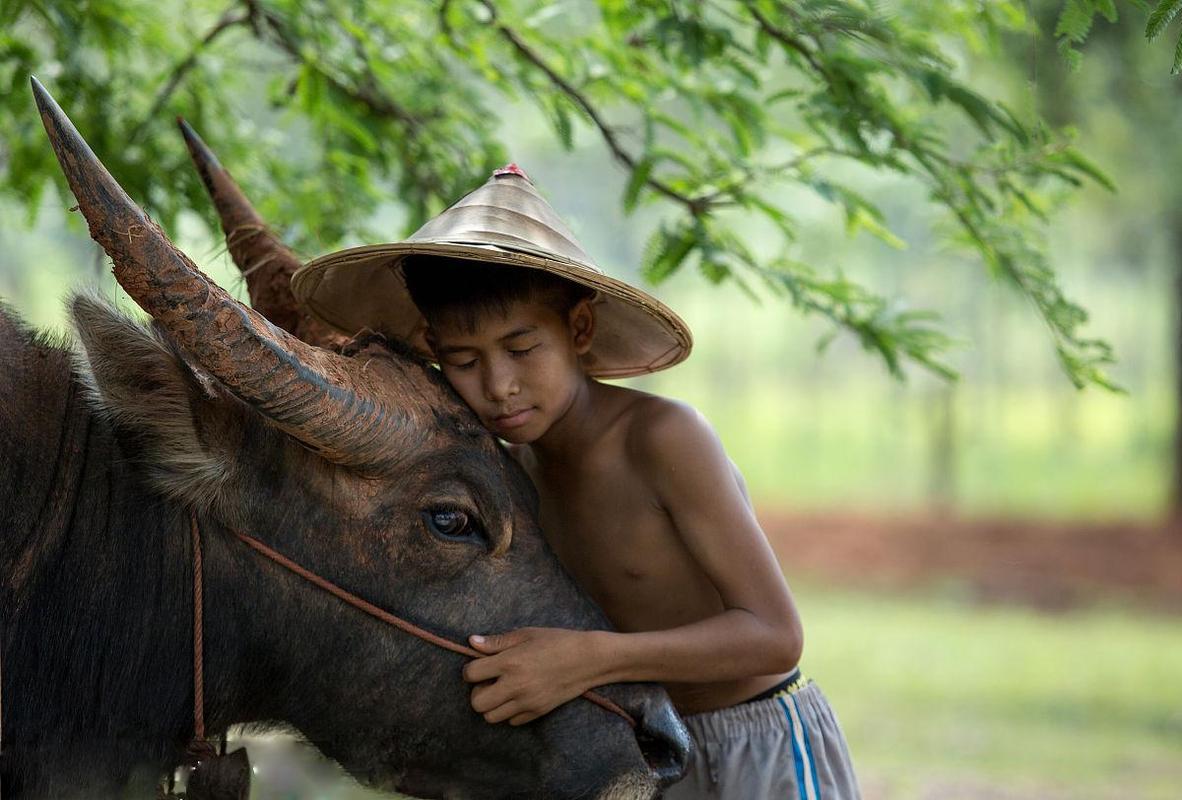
(582, 325)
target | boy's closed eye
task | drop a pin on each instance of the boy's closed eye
(468, 363)
(458, 358)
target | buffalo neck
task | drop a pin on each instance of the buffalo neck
(96, 596)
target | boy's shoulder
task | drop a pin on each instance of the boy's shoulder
(662, 436)
(665, 443)
(652, 423)
(672, 445)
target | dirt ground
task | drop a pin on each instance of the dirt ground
(1047, 565)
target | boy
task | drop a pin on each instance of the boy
(638, 498)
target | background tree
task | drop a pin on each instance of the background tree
(1150, 113)
(714, 108)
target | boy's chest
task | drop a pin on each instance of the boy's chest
(613, 536)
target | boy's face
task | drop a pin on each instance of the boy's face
(519, 371)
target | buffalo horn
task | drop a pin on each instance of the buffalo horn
(265, 262)
(332, 404)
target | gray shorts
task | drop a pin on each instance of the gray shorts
(787, 746)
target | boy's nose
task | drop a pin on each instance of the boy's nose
(499, 384)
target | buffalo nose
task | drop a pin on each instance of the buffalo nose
(664, 742)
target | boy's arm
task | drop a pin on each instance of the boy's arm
(757, 633)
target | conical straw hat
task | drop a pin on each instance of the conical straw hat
(505, 221)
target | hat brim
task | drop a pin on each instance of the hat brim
(363, 288)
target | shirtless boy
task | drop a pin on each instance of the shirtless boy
(638, 500)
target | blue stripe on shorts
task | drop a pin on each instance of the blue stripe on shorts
(802, 751)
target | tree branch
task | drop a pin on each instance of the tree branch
(696, 205)
(749, 173)
(228, 20)
(367, 96)
(788, 40)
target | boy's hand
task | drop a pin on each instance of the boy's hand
(528, 672)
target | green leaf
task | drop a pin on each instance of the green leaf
(783, 94)
(1070, 55)
(825, 189)
(763, 44)
(861, 219)
(714, 270)
(980, 110)
(1015, 125)
(672, 123)
(676, 156)
(636, 182)
(1161, 17)
(665, 252)
(1075, 21)
(562, 124)
(1076, 159)
(773, 212)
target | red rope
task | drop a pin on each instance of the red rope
(354, 600)
(339, 593)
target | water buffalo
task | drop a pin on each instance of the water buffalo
(363, 466)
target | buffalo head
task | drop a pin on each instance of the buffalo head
(365, 467)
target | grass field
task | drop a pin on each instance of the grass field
(945, 700)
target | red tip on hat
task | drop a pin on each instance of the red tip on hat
(511, 169)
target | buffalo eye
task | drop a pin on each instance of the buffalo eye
(453, 525)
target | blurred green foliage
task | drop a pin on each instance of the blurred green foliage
(710, 107)
(1010, 438)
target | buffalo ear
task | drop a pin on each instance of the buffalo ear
(174, 417)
